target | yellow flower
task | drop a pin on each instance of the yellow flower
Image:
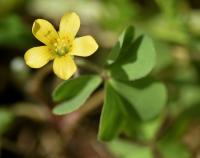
(59, 46)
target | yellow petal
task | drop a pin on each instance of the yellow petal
(44, 31)
(69, 25)
(84, 46)
(64, 67)
(38, 56)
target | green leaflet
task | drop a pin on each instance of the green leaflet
(111, 117)
(125, 149)
(122, 44)
(74, 93)
(126, 37)
(148, 100)
(136, 62)
(114, 54)
(70, 88)
(170, 148)
(118, 115)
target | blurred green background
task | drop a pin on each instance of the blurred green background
(25, 94)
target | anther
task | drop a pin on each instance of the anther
(55, 44)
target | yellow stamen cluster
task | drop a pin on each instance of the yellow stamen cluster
(62, 46)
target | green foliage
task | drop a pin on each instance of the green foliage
(140, 118)
(119, 116)
(148, 101)
(122, 12)
(122, 44)
(13, 30)
(125, 149)
(6, 118)
(9, 5)
(74, 93)
(145, 59)
(111, 117)
(174, 31)
(127, 102)
(172, 23)
(136, 61)
(169, 149)
(149, 129)
(169, 8)
(164, 57)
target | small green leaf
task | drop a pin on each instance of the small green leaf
(124, 149)
(173, 149)
(6, 119)
(75, 92)
(70, 88)
(142, 131)
(149, 129)
(148, 100)
(126, 37)
(137, 62)
(122, 44)
(114, 53)
(111, 116)
(146, 60)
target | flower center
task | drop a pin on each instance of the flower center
(62, 46)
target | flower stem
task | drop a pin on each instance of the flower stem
(86, 64)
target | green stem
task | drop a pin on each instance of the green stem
(86, 64)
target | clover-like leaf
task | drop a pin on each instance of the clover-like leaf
(126, 37)
(122, 44)
(74, 93)
(111, 116)
(148, 100)
(137, 61)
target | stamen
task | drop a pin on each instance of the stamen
(55, 44)
(62, 46)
